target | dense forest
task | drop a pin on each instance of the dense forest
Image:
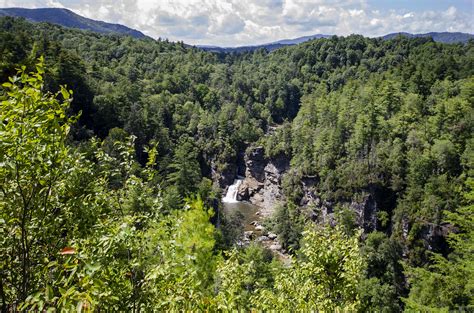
(115, 151)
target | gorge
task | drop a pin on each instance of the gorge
(142, 174)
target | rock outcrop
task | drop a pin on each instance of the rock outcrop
(262, 183)
(262, 186)
(366, 213)
(255, 163)
(224, 177)
(321, 211)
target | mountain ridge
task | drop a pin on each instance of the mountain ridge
(443, 37)
(67, 18)
(268, 46)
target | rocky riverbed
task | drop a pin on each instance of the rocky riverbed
(254, 231)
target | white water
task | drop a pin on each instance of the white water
(231, 195)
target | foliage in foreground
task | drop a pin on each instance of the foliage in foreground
(86, 229)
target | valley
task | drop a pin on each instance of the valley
(137, 174)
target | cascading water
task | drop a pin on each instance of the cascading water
(231, 195)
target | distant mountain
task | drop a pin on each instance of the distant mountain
(67, 18)
(444, 37)
(268, 46)
(300, 39)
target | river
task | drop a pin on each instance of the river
(253, 231)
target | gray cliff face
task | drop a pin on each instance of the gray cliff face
(224, 177)
(435, 236)
(432, 235)
(322, 211)
(262, 183)
(255, 164)
(366, 213)
(262, 186)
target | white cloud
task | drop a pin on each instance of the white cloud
(56, 4)
(229, 24)
(239, 22)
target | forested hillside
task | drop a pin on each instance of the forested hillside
(115, 151)
(67, 18)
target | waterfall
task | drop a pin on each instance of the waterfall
(231, 195)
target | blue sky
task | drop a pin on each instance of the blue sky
(421, 5)
(247, 22)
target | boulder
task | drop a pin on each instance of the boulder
(243, 191)
(275, 247)
(248, 189)
(272, 236)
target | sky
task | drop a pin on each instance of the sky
(250, 22)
